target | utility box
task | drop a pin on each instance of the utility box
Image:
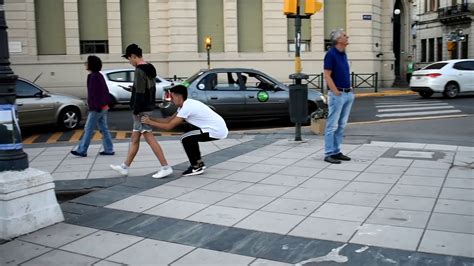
(298, 103)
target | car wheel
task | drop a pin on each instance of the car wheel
(69, 118)
(451, 90)
(169, 110)
(425, 94)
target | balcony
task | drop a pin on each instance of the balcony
(458, 14)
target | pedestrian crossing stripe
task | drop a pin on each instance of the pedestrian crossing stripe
(408, 105)
(413, 108)
(419, 113)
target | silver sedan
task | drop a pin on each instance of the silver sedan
(242, 93)
(36, 106)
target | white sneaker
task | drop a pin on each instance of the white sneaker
(120, 168)
(163, 172)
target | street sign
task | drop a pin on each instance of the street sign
(366, 17)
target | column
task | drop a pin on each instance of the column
(230, 26)
(274, 27)
(71, 18)
(114, 27)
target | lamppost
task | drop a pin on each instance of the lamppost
(208, 43)
(299, 92)
(12, 157)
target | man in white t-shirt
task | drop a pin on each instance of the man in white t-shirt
(207, 125)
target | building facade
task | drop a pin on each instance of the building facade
(50, 39)
(443, 30)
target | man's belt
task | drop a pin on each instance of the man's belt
(344, 89)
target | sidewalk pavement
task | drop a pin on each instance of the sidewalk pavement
(263, 200)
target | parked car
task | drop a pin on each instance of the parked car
(36, 106)
(119, 82)
(447, 77)
(241, 93)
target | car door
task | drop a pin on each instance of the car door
(263, 96)
(34, 106)
(464, 75)
(223, 93)
(120, 83)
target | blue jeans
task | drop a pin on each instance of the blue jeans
(96, 119)
(339, 109)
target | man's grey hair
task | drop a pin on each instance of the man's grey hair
(336, 34)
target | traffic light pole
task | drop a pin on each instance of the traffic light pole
(298, 91)
(12, 157)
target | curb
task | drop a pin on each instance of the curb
(385, 93)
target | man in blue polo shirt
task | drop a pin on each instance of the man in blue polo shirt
(341, 96)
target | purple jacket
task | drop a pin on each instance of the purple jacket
(97, 92)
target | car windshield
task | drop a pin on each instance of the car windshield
(436, 66)
(192, 78)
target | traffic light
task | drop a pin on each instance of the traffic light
(312, 6)
(208, 43)
(290, 7)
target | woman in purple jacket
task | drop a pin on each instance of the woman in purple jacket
(98, 99)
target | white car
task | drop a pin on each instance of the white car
(119, 82)
(449, 77)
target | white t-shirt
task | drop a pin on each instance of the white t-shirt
(203, 117)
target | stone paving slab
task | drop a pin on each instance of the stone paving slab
(268, 201)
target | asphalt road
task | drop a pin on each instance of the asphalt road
(400, 118)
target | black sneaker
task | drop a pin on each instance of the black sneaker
(79, 154)
(202, 165)
(107, 153)
(331, 159)
(193, 171)
(341, 157)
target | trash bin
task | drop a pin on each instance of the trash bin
(298, 103)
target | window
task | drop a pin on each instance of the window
(431, 50)
(423, 50)
(305, 34)
(431, 5)
(439, 47)
(135, 27)
(94, 47)
(436, 66)
(122, 76)
(464, 47)
(50, 29)
(331, 20)
(24, 89)
(226, 81)
(210, 19)
(93, 34)
(250, 27)
(466, 65)
(257, 82)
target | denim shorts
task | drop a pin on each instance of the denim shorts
(138, 125)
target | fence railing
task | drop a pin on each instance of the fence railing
(365, 80)
(315, 81)
(358, 80)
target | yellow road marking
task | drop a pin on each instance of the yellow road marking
(120, 135)
(385, 93)
(54, 137)
(76, 136)
(97, 136)
(30, 139)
